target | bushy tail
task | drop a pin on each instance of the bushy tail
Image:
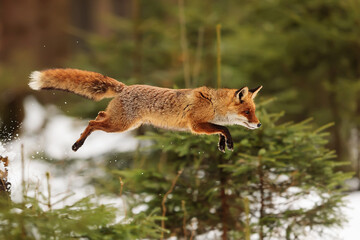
(87, 84)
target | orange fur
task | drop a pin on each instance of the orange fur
(201, 110)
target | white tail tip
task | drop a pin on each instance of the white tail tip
(35, 78)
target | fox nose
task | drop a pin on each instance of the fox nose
(259, 125)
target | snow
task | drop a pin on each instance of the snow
(46, 129)
(35, 116)
(351, 229)
(61, 132)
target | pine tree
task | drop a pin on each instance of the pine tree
(274, 169)
(38, 215)
(35, 218)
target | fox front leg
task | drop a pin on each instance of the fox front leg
(222, 141)
(221, 144)
(211, 128)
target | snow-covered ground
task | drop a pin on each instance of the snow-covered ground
(56, 140)
(351, 229)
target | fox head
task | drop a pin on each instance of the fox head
(238, 108)
(245, 107)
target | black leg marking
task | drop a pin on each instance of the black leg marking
(77, 145)
(221, 144)
(230, 144)
(211, 128)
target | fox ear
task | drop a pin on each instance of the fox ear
(255, 91)
(242, 93)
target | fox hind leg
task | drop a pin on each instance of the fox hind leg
(102, 122)
(101, 115)
(93, 126)
(221, 144)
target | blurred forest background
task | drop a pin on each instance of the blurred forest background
(306, 54)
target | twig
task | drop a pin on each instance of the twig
(224, 203)
(164, 200)
(5, 185)
(247, 219)
(120, 195)
(23, 231)
(262, 199)
(184, 218)
(23, 172)
(218, 54)
(121, 186)
(222, 175)
(184, 44)
(137, 36)
(49, 190)
(192, 232)
(198, 54)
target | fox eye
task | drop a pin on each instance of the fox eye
(247, 112)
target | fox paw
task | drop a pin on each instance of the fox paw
(221, 144)
(225, 142)
(76, 146)
(230, 144)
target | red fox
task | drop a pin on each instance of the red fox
(201, 110)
